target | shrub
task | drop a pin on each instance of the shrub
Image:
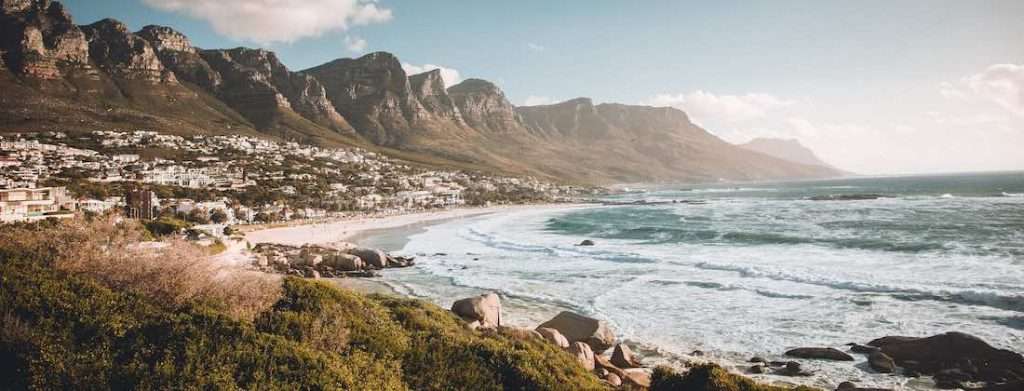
(165, 226)
(709, 377)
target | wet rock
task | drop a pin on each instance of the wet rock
(792, 368)
(881, 362)
(820, 353)
(863, 349)
(576, 327)
(953, 357)
(850, 386)
(758, 369)
(758, 359)
(586, 242)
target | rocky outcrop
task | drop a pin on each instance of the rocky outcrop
(374, 94)
(124, 55)
(322, 261)
(429, 89)
(485, 309)
(623, 357)
(953, 358)
(484, 107)
(579, 328)
(39, 40)
(820, 353)
(178, 55)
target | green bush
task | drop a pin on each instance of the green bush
(166, 226)
(709, 377)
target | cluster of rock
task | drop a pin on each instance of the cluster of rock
(587, 339)
(953, 360)
(329, 262)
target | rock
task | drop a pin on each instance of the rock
(586, 242)
(124, 55)
(849, 386)
(881, 362)
(820, 353)
(429, 89)
(697, 353)
(38, 39)
(472, 326)
(792, 368)
(583, 354)
(484, 308)
(344, 262)
(310, 256)
(637, 378)
(484, 107)
(601, 372)
(613, 380)
(955, 357)
(521, 333)
(310, 273)
(864, 349)
(553, 336)
(372, 257)
(577, 327)
(756, 369)
(622, 357)
(758, 359)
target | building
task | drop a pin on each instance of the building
(34, 204)
(141, 204)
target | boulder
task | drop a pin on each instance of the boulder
(881, 362)
(583, 354)
(849, 386)
(863, 349)
(344, 262)
(576, 327)
(758, 369)
(553, 336)
(484, 308)
(586, 242)
(637, 378)
(792, 368)
(820, 353)
(521, 333)
(613, 380)
(951, 354)
(622, 357)
(372, 257)
(758, 359)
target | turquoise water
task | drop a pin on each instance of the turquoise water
(755, 269)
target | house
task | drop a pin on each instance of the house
(34, 204)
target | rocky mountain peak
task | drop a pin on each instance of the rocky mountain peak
(483, 106)
(166, 39)
(39, 40)
(123, 54)
(429, 89)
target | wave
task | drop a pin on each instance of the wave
(966, 297)
(1005, 194)
(730, 190)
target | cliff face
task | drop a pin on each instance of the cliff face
(39, 40)
(484, 106)
(375, 95)
(428, 87)
(124, 55)
(178, 55)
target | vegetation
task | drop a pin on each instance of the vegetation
(85, 307)
(709, 377)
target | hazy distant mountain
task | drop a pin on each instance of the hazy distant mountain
(786, 149)
(56, 75)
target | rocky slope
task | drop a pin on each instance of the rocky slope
(59, 76)
(786, 149)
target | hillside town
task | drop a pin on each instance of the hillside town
(232, 179)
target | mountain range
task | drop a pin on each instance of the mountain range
(56, 75)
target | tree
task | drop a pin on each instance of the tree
(198, 216)
(218, 216)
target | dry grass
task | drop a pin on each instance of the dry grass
(114, 252)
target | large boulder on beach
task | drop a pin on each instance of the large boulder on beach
(881, 362)
(372, 257)
(579, 328)
(623, 357)
(820, 354)
(583, 354)
(553, 336)
(344, 262)
(485, 309)
(954, 357)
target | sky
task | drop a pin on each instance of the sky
(873, 87)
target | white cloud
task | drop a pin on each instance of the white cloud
(355, 44)
(1002, 84)
(538, 100)
(535, 47)
(708, 107)
(450, 76)
(269, 21)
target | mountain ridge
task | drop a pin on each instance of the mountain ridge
(61, 76)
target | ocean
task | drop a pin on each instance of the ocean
(752, 269)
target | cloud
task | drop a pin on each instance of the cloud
(450, 76)
(535, 47)
(269, 21)
(538, 100)
(1002, 84)
(355, 44)
(708, 107)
